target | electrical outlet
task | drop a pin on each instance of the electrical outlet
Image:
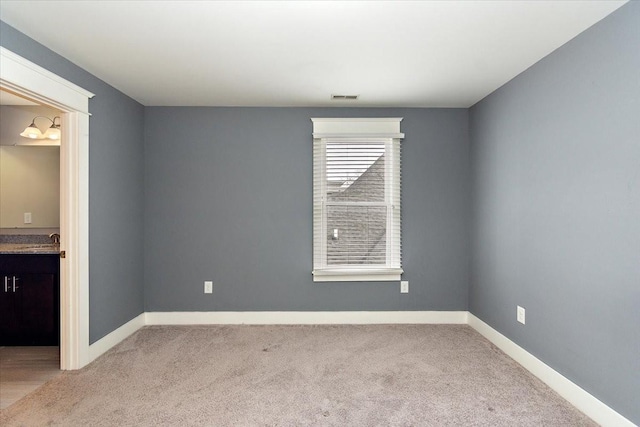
(27, 217)
(404, 287)
(208, 287)
(520, 314)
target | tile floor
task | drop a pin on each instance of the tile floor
(23, 369)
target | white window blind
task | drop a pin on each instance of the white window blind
(357, 199)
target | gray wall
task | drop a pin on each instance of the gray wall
(228, 198)
(115, 189)
(556, 212)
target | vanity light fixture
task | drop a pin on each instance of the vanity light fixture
(33, 132)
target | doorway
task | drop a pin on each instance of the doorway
(29, 216)
(30, 81)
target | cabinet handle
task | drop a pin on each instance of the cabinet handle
(6, 283)
(15, 279)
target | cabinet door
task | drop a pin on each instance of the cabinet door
(30, 314)
(28, 311)
(10, 329)
(37, 302)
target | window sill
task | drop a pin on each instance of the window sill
(357, 275)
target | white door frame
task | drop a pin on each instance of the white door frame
(25, 78)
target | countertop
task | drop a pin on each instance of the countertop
(29, 248)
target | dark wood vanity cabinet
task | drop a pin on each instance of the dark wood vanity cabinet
(29, 299)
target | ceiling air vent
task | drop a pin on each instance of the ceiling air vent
(344, 97)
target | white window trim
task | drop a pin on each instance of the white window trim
(369, 274)
(325, 129)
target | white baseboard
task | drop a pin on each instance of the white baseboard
(101, 346)
(578, 397)
(304, 317)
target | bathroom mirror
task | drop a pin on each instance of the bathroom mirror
(29, 175)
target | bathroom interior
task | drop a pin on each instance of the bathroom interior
(29, 245)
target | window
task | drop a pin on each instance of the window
(356, 199)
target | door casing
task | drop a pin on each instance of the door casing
(24, 78)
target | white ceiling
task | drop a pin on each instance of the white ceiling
(269, 53)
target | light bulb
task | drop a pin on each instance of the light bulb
(32, 132)
(52, 133)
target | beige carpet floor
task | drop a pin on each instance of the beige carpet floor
(374, 375)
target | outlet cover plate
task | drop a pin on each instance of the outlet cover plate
(404, 287)
(208, 287)
(520, 312)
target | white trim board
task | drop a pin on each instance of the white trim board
(578, 397)
(38, 83)
(113, 338)
(305, 317)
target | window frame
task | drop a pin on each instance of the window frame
(341, 130)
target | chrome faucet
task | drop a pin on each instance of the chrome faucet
(55, 237)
